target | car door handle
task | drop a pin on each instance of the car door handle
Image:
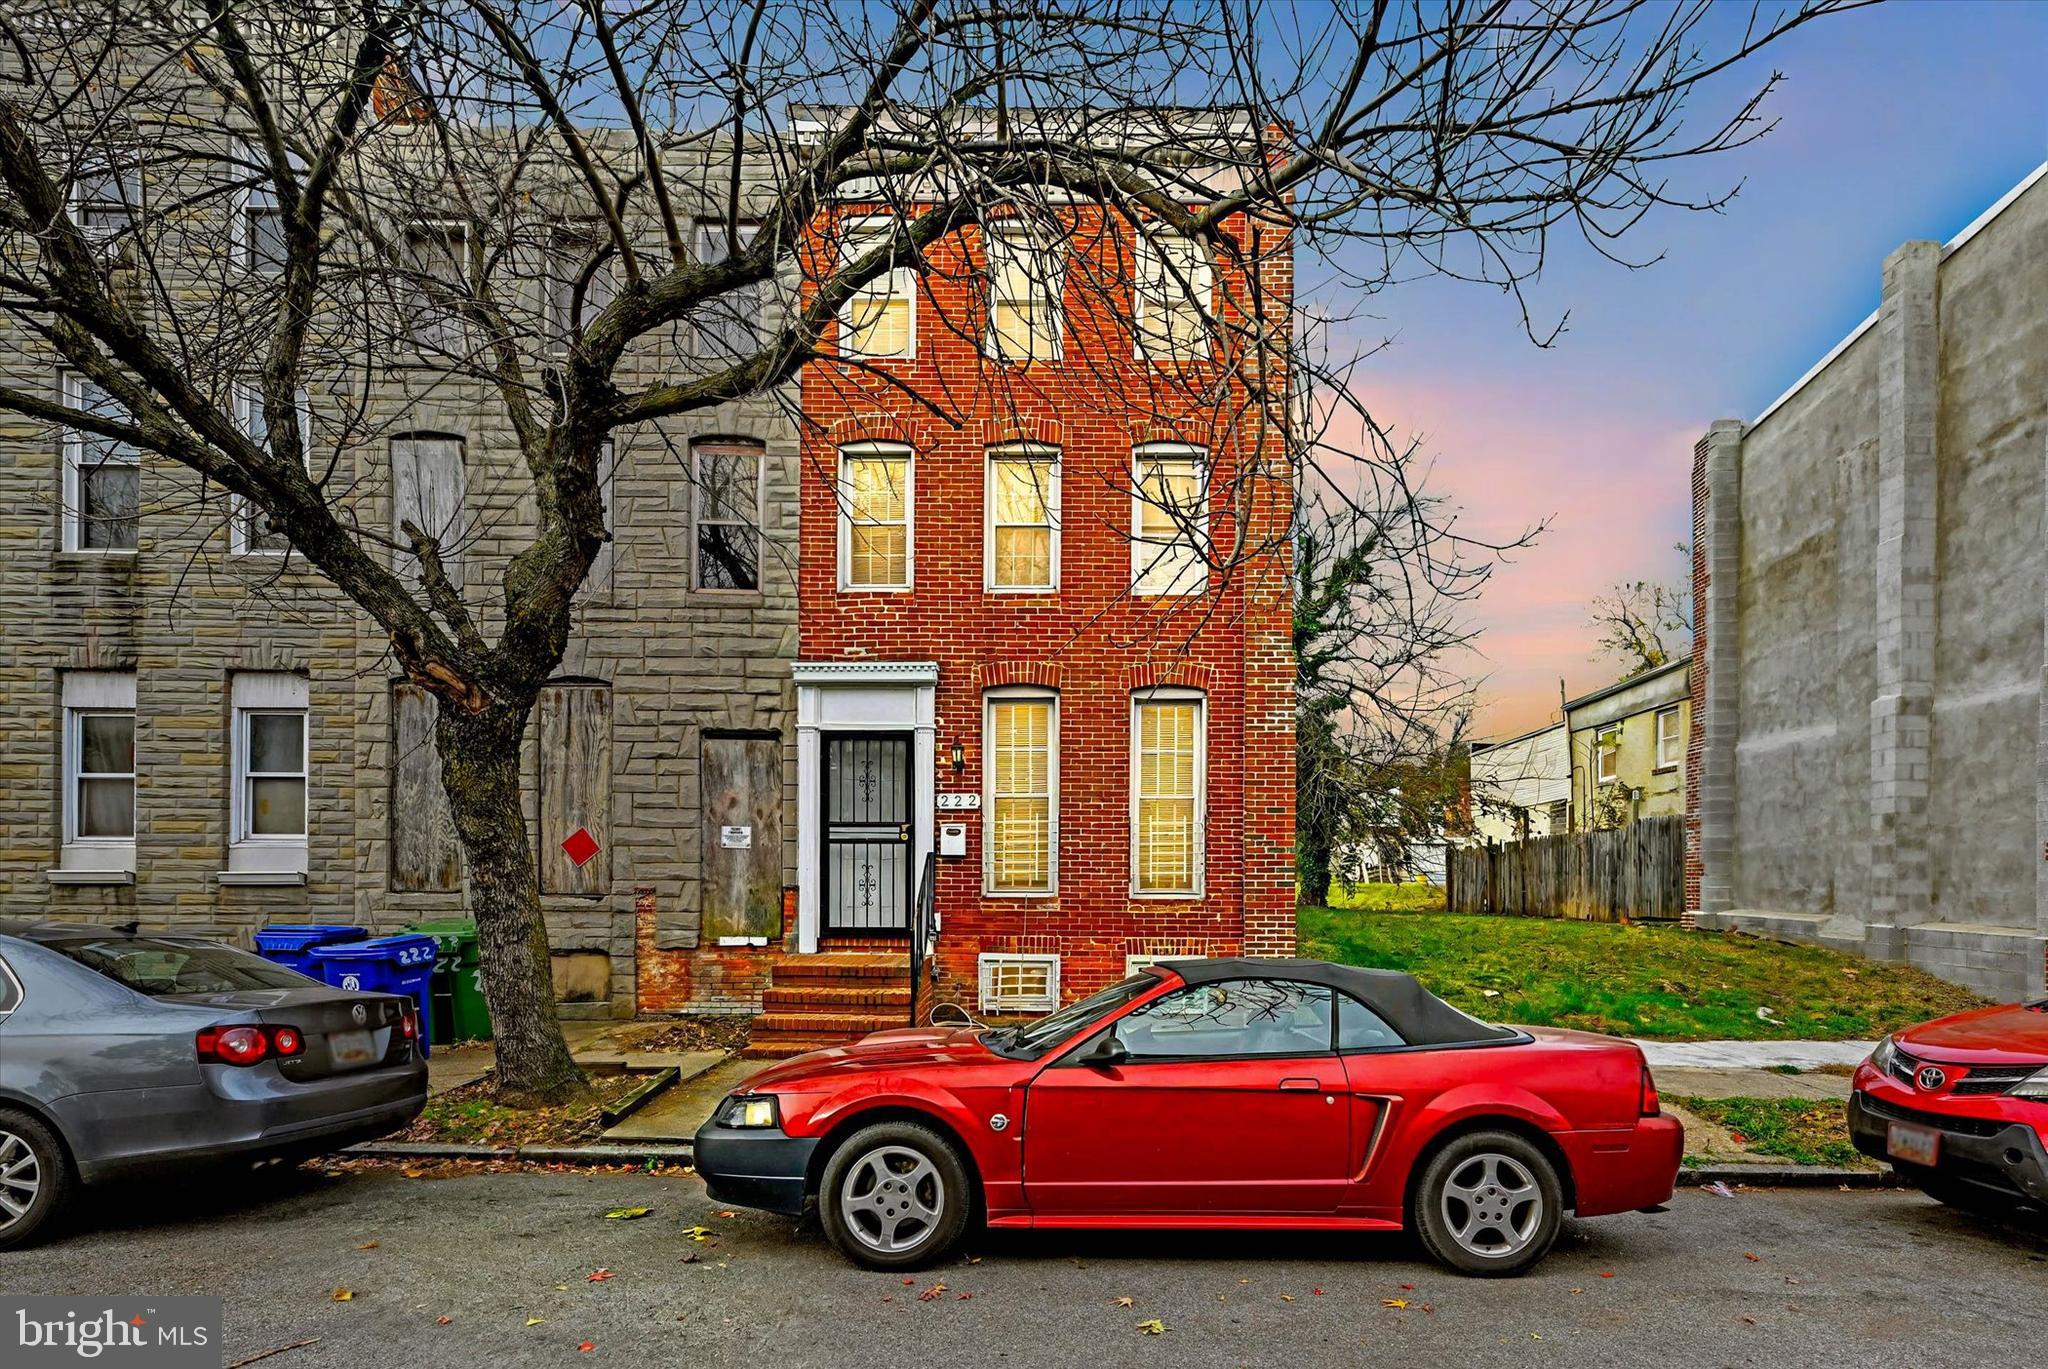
(1300, 1085)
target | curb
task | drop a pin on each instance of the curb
(1788, 1176)
(638, 1157)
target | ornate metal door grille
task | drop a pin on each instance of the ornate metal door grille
(867, 834)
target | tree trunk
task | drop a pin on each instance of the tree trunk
(480, 772)
(1312, 857)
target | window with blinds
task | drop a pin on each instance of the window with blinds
(1023, 519)
(1170, 299)
(1169, 521)
(1025, 281)
(875, 518)
(1022, 742)
(880, 320)
(1166, 801)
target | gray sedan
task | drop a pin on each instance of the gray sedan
(126, 1053)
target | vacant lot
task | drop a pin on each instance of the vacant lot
(1636, 981)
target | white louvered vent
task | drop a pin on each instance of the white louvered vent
(1135, 963)
(1020, 983)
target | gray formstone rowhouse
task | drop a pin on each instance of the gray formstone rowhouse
(1874, 572)
(212, 650)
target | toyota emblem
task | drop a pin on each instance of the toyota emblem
(360, 1013)
(1932, 1078)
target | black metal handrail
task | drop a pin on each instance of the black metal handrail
(924, 928)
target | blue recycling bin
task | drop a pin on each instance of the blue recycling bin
(291, 944)
(385, 964)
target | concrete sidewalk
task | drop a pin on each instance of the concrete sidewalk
(1753, 1055)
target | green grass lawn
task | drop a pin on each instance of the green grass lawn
(1387, 898)
(1650, 981)
(1806, 1131)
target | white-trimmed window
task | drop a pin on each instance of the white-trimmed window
(1020, 846)
(267, 821)
(102, 476)
(579, 259)
(727, 327)
(877, 515)
(256, 228)
(1022, 537)
(1670, 739)
(726, 482)
(1169, 520)
(1170, 299)
(1168, 764)
(880, 321)
(1607, 754)
(437, 258)
(1019, 983)
(99, 771)
(1025, 279)
(106, 199)
(249, 530)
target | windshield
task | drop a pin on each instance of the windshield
(1030, 1042)
(159, 966)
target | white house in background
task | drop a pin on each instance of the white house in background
(1522, 787)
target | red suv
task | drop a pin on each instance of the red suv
(1959, 1106)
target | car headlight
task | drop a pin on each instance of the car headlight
(749, 1112)
(1881, 1058)
(2034, 1085)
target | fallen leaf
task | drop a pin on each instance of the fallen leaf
(1287, 1297)
(692, 1258)
(1393, 1302)
(1427, 1308)
(344, 1295)
(728, 1214)
(626, 1214)
(1720, 1189)
(928, 1294)
(1738, 1138)
(587, 1346)
(1316, 1291)
(1155, 1327)
(599, 1275)
(1749, 1321)
(908, 1282)
(1407, 1288)
(965, 1296)
(369, 1245)
(561, 1288)
(974, 1259)
(1751, 1256)
(536, 1321)
(442, 1321)
(1607, 1273)
(1576, 1291)
(1126, 1302)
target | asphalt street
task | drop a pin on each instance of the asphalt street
(1791, 1278)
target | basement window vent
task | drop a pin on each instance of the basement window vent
(1135, 963)
(1020, 983)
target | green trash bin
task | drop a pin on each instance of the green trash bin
(460, 1012)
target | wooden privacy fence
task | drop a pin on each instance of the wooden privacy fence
(1635, 872)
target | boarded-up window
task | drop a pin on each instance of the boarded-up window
(425, 857)
(741, 783)
(427, 491)
(575, 744)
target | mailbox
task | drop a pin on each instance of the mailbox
(953, 840)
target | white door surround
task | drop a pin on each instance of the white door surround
(858, 696)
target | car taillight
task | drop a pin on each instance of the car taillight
(409, 1022)
(248, 1045)
(1651, 1105)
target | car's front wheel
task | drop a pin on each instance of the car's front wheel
(895, 1196)
(1488, 1203)
(35, 1178)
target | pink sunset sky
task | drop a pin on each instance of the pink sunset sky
(1895, 123)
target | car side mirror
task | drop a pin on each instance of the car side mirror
(1106, 1051)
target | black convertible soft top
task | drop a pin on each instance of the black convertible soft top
(1418, 1015)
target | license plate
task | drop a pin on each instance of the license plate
(352, 1048)
(1914, 1145)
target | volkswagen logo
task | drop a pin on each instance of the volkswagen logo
(360, 1013)
(1932, 1077)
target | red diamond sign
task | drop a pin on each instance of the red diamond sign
(580, 846)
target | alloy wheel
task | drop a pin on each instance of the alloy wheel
(892, 1198)
(1492, 1205)
(21, 1179)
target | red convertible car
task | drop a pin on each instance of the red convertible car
(1960, 1106)
(1206, 1094)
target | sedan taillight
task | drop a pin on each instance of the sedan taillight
(1651, 1104)
(247, 1045)
(409, 1022)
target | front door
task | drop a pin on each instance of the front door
(867, 834)
(1231, 1101)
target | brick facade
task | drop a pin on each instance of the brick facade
(1091, 640)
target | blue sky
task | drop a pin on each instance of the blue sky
(1903, 121)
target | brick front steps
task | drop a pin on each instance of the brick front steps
(827, 1000)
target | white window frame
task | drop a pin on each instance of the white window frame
(708, 239)
(1675, 756)
(265, 857)
(862, 451)
(253, 193)
(1172, 694)
(697, 519)
(1606, 757)
(1012, 694)
(247, 396)
(450, 328)
(1050, 273)
(85, 693)
(898, 281)
(1154, 283)
(1038, 453)
(114, 166)
(989, 967)
(570, 245)
(71, 391)
(1192, 578)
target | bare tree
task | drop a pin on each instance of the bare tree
(1646, 624)
(541, 207)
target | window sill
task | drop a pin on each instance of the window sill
(1671, 769)
(110, 877)
(1029, 591)
(261, 878)
(92, 554)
